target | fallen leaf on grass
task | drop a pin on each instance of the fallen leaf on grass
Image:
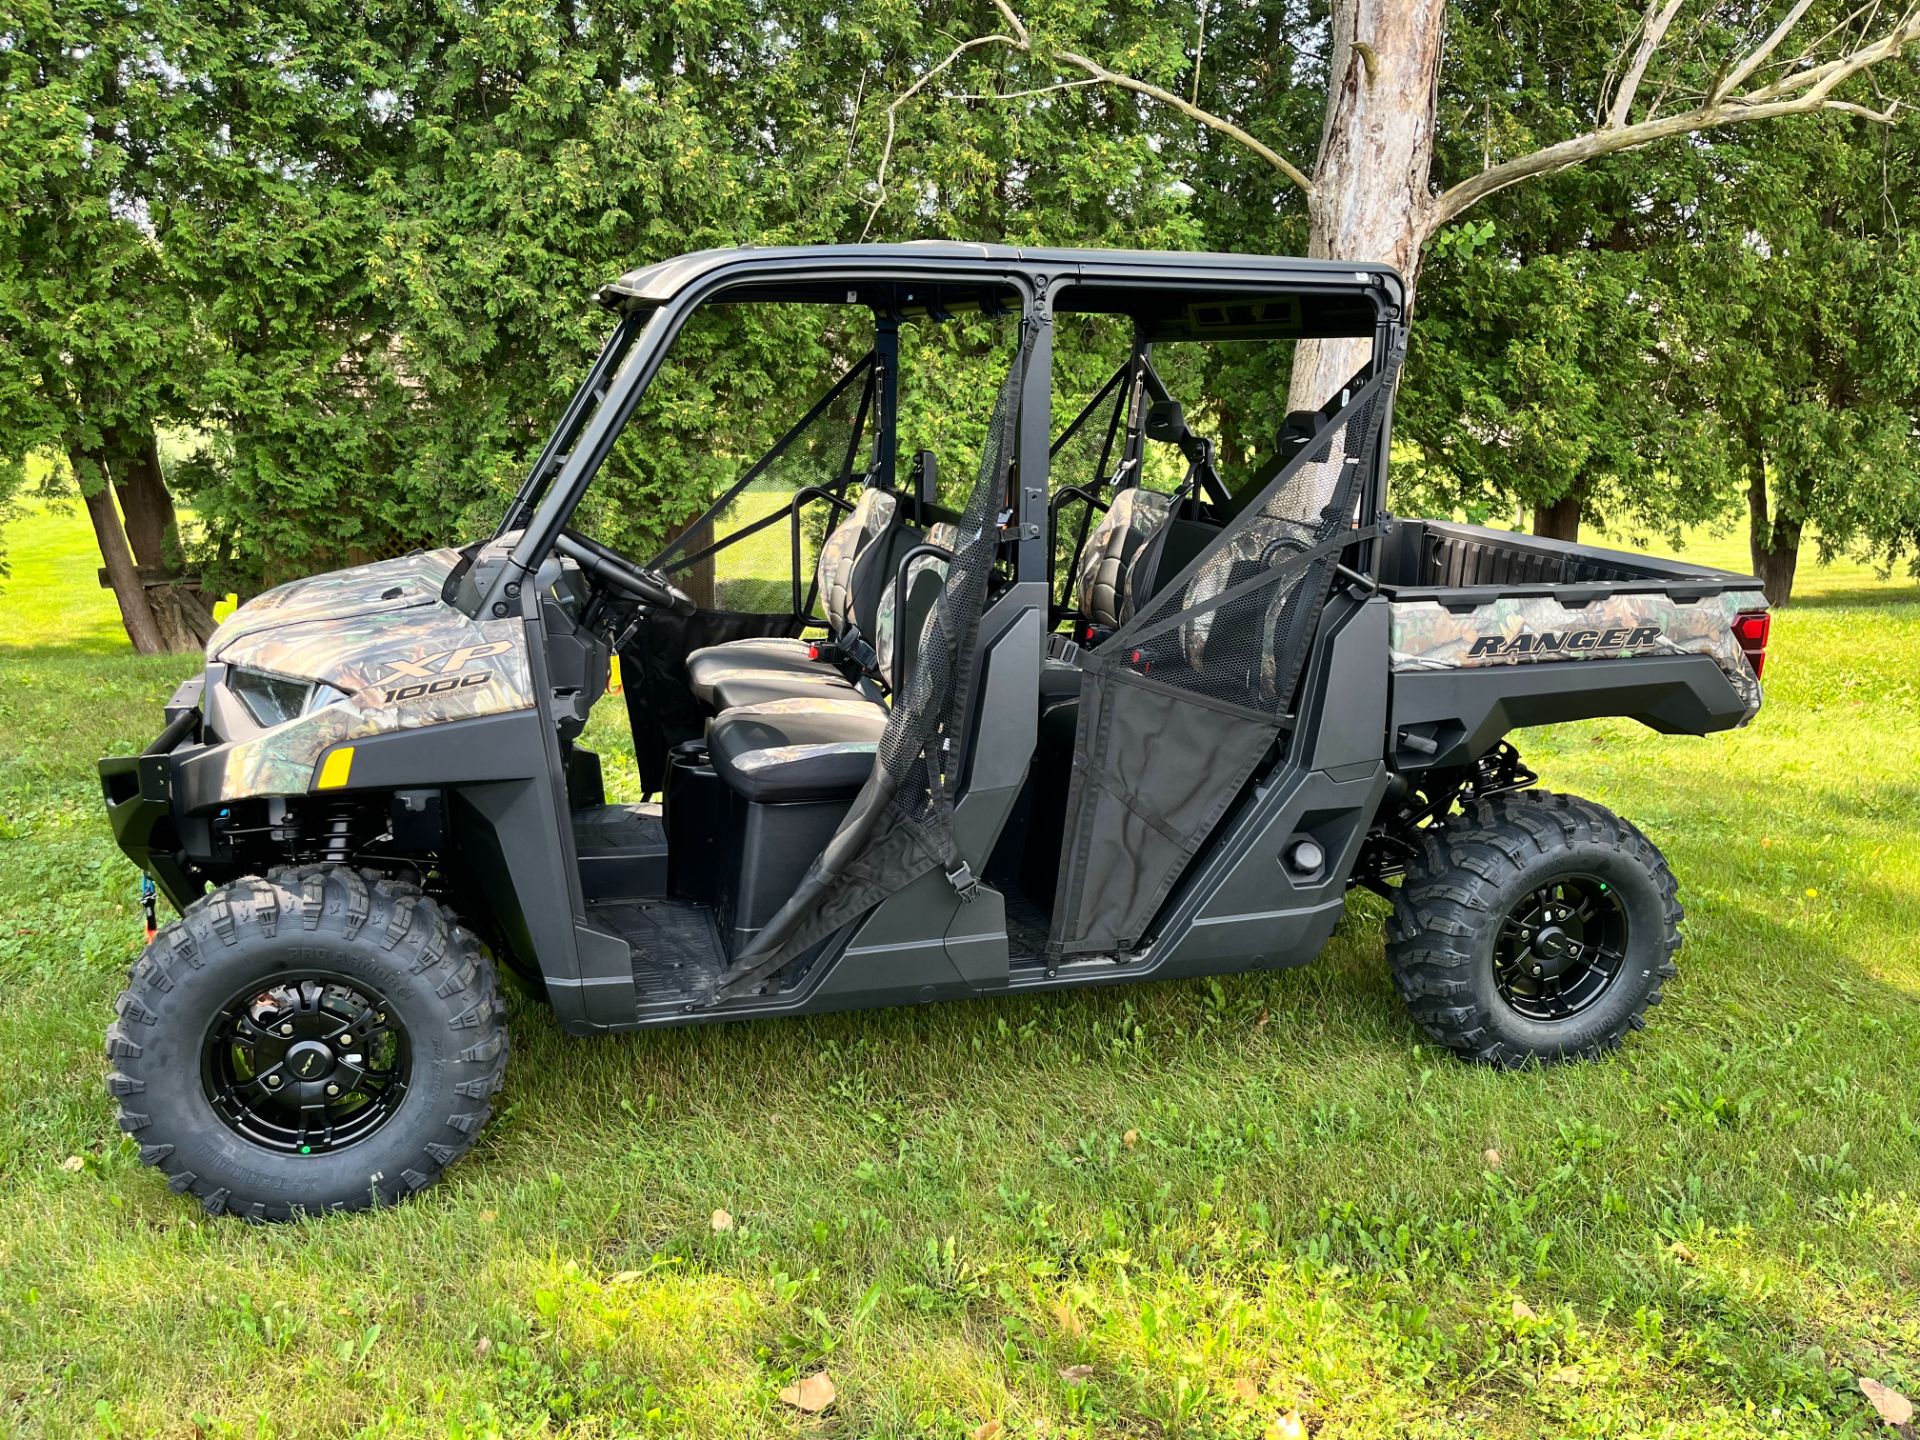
(1492, 1157)
(1889, 1403)
(1522, 1310)
(987, 1430)
(1287, 1427)
(487, 1217)
(1068, 1318)
(1566, 1375)
(625, 1277)
(1130, 1139)
(1247, 1391)
(811, 1393)
(1074, 1374)
(1683, 1252)
(73, 1164)
(1265, 1016)
(721, 1221)
(481, 1347)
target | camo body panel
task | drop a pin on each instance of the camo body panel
(349, 630)
(371, 592)
(1425, 635)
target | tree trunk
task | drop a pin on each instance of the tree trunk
(1371, 195)
(1773, 542)
(146, 505)
(1560, 520)
(135, 613)
(145, 501)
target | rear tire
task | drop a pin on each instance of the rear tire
(361, 980)
(1534, 926)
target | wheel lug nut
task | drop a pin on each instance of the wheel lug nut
(333, 1089)
(381, 1018)
(286, 1029)
(273, 1082)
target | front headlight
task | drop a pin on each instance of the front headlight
(274, 699)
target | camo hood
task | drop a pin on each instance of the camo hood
(309, 629)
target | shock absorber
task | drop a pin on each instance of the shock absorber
(337, 842)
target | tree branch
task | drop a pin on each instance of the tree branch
(1097, 74)
(1804, 92)
(1018, 41)
(1191, 111)
(1738, 75)
(1653, 29)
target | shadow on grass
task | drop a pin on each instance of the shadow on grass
(1864, 594)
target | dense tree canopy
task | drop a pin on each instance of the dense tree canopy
(349, 249)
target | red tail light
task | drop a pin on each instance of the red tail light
(1751, 629)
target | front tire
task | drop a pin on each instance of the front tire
(324, 1039)
(1534, 926)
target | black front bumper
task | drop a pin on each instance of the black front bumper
(138, 790)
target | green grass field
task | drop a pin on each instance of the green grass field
(1194, 1209)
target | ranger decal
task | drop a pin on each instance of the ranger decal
(1550, 642)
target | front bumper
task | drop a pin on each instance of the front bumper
(138, 790)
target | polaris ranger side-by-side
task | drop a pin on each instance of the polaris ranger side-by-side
(1104, 700)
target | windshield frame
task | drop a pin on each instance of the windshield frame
(596, 427)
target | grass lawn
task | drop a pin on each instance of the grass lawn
(1180, 1209)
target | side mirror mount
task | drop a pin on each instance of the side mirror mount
(1166, 422)
(926, 480)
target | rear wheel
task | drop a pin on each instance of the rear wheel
(1534, 926)
(319, 1040)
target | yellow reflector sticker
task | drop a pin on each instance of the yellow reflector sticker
(613, 675)
(335, 769)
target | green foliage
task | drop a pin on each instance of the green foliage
(352, 248)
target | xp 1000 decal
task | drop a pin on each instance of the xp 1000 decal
(1515, 630)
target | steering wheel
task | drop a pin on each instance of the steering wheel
(612, 569)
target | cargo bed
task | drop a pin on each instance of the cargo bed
(1483, 623)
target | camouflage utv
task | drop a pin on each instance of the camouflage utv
(1034, 681)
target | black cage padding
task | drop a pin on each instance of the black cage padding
(900, 825)
(1181, 705)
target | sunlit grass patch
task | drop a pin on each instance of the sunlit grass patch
(1184, 1209)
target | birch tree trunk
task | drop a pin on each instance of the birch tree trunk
(1372, 196)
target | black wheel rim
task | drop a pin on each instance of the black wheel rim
(307, 1065)
(1560, 948)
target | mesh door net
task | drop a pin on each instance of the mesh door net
(1182, 702)
(901, 823)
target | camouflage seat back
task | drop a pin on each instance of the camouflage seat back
(925, 575)
(841, 552)
(1132, 520)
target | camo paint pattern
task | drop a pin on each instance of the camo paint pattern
(379, 588)
(404, 661)
(1425, 635)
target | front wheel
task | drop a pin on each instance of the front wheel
(1535, 926)
(323, 1039)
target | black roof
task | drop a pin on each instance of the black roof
(935, 258)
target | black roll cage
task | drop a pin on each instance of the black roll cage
(655, 303)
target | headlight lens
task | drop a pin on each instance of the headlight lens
(274, 699)
(270, 699)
